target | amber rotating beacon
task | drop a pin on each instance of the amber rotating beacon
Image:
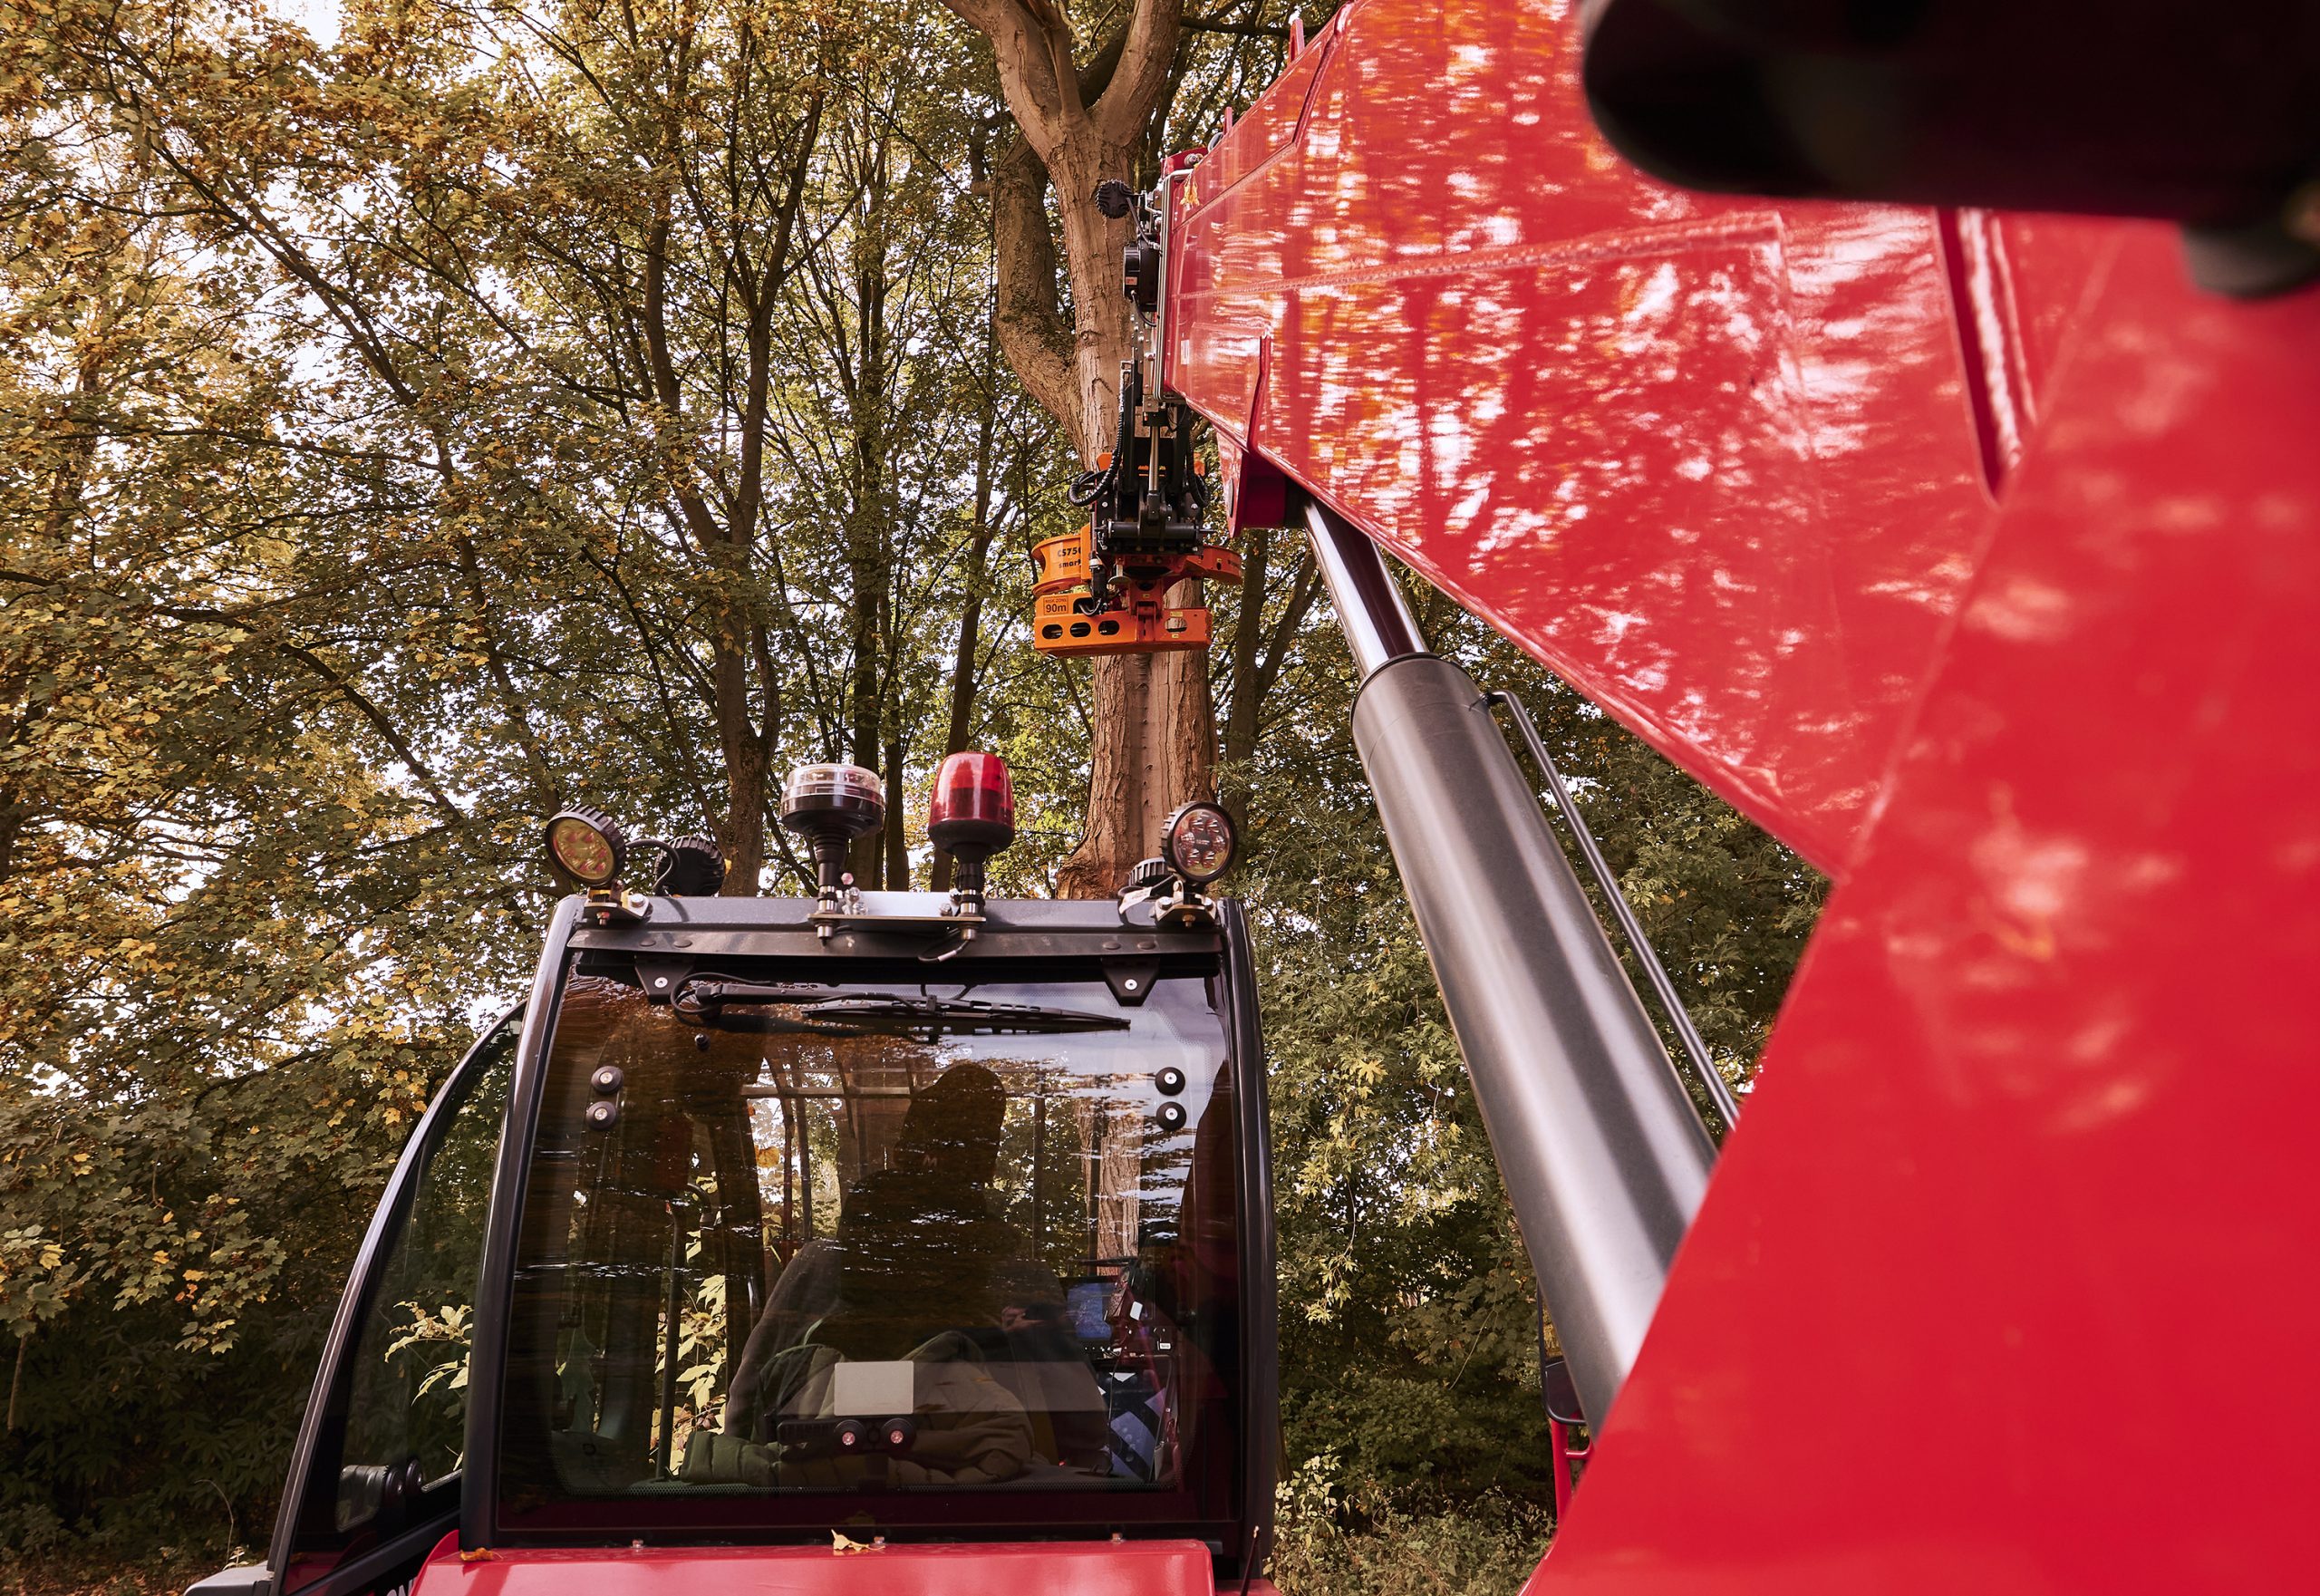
(829, 806)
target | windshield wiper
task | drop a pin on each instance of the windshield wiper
(826, 1011)
(963, 1015)
(697, 996)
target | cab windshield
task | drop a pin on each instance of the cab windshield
(810, 1250)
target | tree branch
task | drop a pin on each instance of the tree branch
(1149, 51)
(1246, 29)
(1032, 332)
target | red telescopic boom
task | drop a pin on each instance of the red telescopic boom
(1977, 554)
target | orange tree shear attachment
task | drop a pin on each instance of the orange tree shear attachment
(1104, 589)
(1137, 619)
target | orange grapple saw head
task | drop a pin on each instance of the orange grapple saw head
(1105, 588)
(1132, 614)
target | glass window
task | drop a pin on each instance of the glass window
(407, 1400)
(397, 1403)
(874, 1252)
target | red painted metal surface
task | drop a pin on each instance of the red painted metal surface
(1715, 461)
(1131, 1568)
(1980, 557)
(2026, 1200)
(1569, 1461)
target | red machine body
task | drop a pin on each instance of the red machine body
(1978, 557)
(1133, 1568)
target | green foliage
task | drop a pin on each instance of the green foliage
(1328, 1545)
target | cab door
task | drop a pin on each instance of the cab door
(375, 1480)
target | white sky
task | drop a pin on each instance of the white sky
(318, 18)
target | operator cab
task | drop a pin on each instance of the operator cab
(871, 1219)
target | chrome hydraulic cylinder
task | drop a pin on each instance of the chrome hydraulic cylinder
(1604, 1156)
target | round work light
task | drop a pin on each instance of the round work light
(1198, 842)
(585, 846)
(691, 867)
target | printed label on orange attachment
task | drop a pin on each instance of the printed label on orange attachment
(1213, 563)
(1059, 564)
(1058, 628)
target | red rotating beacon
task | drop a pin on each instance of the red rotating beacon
(970, 816)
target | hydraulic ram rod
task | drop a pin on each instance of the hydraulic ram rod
(1602, 1153)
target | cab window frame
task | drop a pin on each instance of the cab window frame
(1241, 1074)
(311, 1493)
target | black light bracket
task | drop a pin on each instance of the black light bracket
(614, 904)
(1180, 905)
(851, 913)
(1131, 979)
(967, 890)
(835, 891)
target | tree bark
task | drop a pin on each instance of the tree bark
(1029, 321)
(1155, 726)
(1258, 656)
(1247, 637)
(16, 1380)
(869, 554)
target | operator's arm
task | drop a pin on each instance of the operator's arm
(807, 1293)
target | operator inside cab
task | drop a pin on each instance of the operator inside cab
(923, 1270)
(842, 1248)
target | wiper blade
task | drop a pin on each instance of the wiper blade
(697, 996)
(970, 1015)
(826, 1010)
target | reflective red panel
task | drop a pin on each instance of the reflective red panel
(853, 1567)
(1717, 461)
(1978, 556)
(973, 786)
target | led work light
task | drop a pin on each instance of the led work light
(1198, 842)
(584, 846)
(586, 849)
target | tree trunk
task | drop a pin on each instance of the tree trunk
(897, 832)
(746, 756)
(869, 550)
(1248, 639)
(1154, 751)
(1155, 726)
